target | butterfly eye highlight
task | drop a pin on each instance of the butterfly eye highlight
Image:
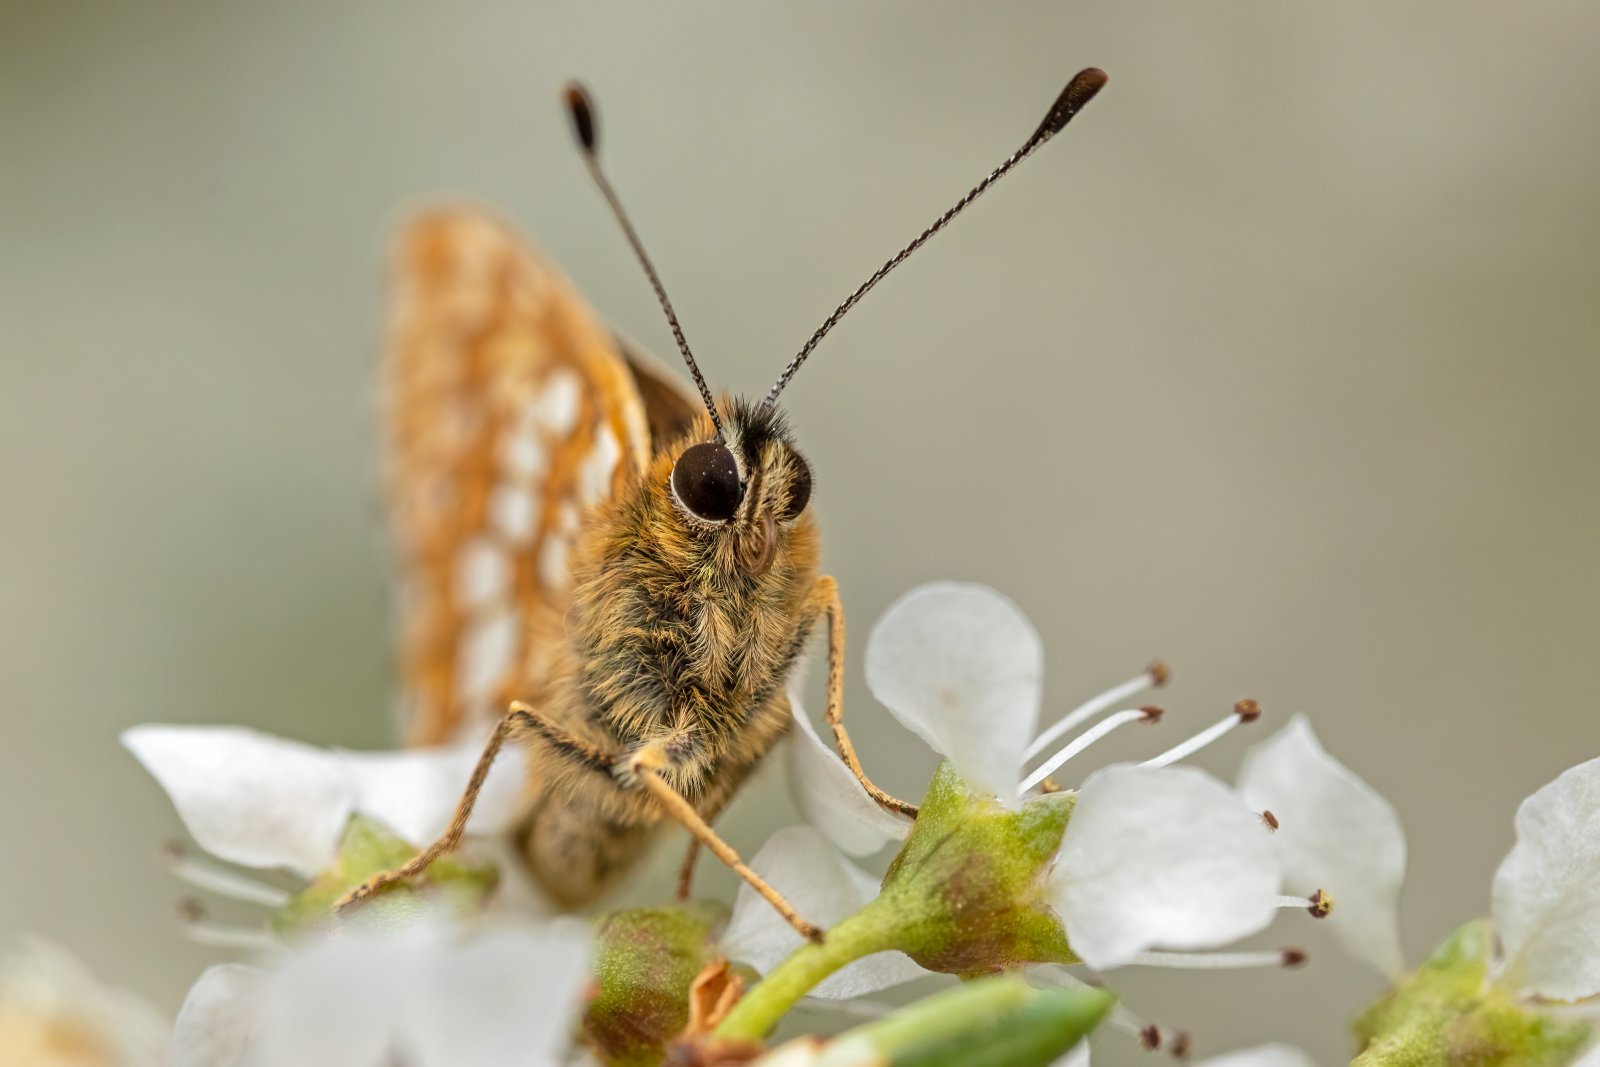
(706, 481)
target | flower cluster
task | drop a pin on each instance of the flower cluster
(1154, 855)
(1013, 864)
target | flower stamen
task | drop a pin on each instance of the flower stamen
(1121, 1019)
(215, 878)
(1221, 961)
(1087, 738)
(1319, 904)
(1153, 677)
(199, 928)
(1245, 711)
(1152, 1038)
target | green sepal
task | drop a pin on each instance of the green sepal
(368, 848)
(991, 1022)
(965, 896)
(1448, 1014)
(968, 887)
(645, 960)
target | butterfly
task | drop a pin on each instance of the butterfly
(625, 562)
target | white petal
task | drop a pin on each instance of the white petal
(509, 996)
(248, 797)
(517, 894)
(415, 792)
(1262, 1056)
(48, 995)
(962, 667)
(218, 1018)
(1547, 890)
(1590, 1057)
(824, 887)
(1164, 857)
(336, 1003)
(1078, 1057)
(423, 996)
(1335, 832)
(830, 798)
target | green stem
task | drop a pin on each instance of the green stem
(872, 929)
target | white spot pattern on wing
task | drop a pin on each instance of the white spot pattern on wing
(486, 652)
(556, 409)
(483, 573)
(522, 453)
(553, 562)
(514, 512)
(598, 466)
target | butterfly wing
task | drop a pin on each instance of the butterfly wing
(670, 405)
(511, 410)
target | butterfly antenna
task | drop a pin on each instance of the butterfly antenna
(581, 109)
(1079, 91)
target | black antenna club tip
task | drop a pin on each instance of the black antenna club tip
(581, 109)
(1079, 91)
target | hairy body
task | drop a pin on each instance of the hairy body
(680, 638)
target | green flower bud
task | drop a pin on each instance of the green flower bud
(968, 888)
(369, 848)
(965, 896)
(646, 959)
(1449, 1015)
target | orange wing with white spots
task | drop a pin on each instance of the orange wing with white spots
(511, 410)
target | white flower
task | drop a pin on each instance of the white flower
(262, 801)
(52, 1010)
(1547, 891)
(825, 888)
(1154, 855)
(1161, 856)
(427, 995)
(1334, 830)
(962, 668)
(829, 796)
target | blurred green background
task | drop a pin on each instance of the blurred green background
(1280, 364)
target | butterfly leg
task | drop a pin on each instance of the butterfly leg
(520, 721)
(686, 872)
(825, 596)
(646, 765)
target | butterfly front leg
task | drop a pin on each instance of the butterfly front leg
(824, 600)
(521, 722)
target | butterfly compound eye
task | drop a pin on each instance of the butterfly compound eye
(706, 481)
(799, 489)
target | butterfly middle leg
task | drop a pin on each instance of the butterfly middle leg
(825, 601)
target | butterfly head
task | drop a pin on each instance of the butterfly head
(748, 486)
